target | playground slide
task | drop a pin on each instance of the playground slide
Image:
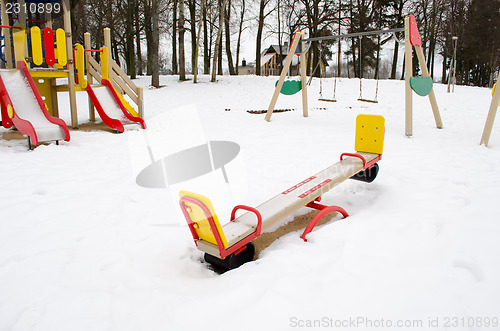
(111, 108)
(23, 107)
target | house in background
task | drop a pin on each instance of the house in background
(271, 61)
(246, 68)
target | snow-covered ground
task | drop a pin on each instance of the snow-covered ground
(83, 247)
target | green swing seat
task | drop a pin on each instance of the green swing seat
(421, 85)
(290, 87)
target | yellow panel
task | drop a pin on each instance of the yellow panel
(36, 45)
(44, 86)
(49, 73)
(197, 215)
(19, 36)
(105, 63)
(65, 88)
(370, 134)
(80, 65)
(10, 111)
(61, 54)
(129, 108)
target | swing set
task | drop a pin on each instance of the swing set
(360, 55)
(422, 85)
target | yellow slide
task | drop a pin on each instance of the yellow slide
(129, 108)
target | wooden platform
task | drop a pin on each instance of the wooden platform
(289, 201)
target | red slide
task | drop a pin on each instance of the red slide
(110, 108)
(23, 107)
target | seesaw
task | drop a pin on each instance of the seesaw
(230, 245)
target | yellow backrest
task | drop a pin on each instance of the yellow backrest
(370, 134)
(18, 36)
(62, 57)
(36, 45)
(198, 216)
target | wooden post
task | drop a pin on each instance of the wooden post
(55, 104)
(71, 63)
(107, 43)
(140, 104)
(22, 20)
(303, 64)
(491, 116)
(408, 74)
(90, 79)
(22, 13)
(7, 35)
(48, 19)
(432, 96)
(288, 61)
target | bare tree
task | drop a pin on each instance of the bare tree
(227, 29)
(182, 30)
(155, 14)
(260, 28)
(240, 31)
(175, 65)
(218, 42)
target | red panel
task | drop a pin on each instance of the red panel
(291, 189)
(111, 122)
(111, 89)
(5, 100)
(414, 34)
(48, 40)
(305, 194)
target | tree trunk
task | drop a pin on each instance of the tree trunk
(219, 59)
(240, 30)
(403, 71)
(395, 60)
(227, 17)
(138, 38)
(174, 38)
(148, 24)
(377, 63)
(444, 76)
(155, 78)
(258, 44)
(222, 11)
(197, 47)
(192, 16)
(129, 31)
(182, 30)
(339, 46)
(218, 43)
(206, 44)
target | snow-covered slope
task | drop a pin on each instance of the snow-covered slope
(82, 247)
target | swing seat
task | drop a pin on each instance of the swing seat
(368, 100)
(421, 85)
(290, 87)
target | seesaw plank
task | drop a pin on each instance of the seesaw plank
(289, 201)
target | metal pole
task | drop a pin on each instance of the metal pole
(357, 34)
(453, 66)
